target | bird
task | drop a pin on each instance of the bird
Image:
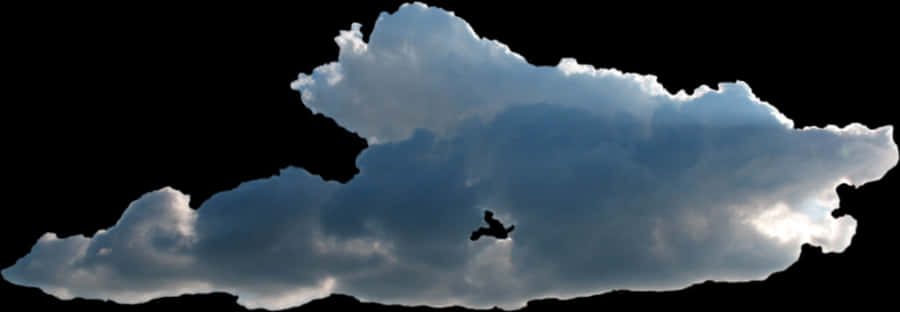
(495, 228)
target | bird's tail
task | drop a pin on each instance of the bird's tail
(511, 228)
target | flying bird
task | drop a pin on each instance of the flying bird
(495, 228)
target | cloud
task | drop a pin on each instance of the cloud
(611, 182)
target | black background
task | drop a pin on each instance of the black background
(104, 103)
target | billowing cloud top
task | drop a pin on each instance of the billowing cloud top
(611, 182)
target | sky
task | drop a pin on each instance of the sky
(611, 181)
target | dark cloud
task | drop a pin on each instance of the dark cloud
(611, 182)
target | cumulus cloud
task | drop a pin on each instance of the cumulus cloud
(611, 181)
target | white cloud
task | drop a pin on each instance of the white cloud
(611, 181)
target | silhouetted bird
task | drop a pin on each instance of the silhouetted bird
(496, 228)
